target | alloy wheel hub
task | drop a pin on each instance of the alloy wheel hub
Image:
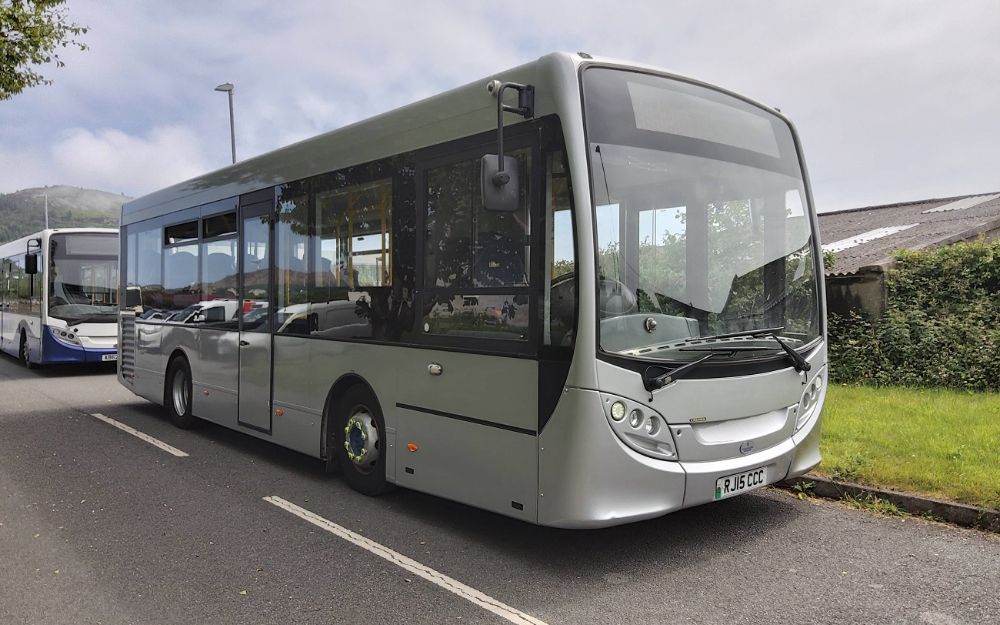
(180, 393)
(361, 440)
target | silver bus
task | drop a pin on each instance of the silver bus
(59, 296)
(579, 292)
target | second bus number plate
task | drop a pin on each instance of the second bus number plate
(740, 483)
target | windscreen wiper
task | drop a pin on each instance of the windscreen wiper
(655, 382)
(800, 363)
(730, 335)
(726, 348)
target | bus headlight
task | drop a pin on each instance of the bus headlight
(811, 400)
(65, 336)
(618, 411)
(644, 431)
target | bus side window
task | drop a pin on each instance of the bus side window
(560, 268)
(466, 245)
(291, 249)
(335, 255)
(219, 279)
(181, 284)
(148, 268)
(467, 248)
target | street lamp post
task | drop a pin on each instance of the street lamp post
(46, 196)
(228, 88)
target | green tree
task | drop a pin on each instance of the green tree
(941, 326)
(31, 33)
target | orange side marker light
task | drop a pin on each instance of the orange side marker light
(411, 446)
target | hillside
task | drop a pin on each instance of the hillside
(22, 212)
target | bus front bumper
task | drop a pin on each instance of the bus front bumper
(588, 478)
(790, 458)
(55, 351)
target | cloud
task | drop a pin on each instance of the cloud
(21, 168)
(112, 160)
(893, 101)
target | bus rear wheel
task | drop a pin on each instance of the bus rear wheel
(359, 441)
(24, 353)
(177, 394)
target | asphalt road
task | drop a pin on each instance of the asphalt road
(98, 526)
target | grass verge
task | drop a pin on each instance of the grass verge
(940, 443)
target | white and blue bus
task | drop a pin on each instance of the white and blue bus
(594, 299)
(59, 296)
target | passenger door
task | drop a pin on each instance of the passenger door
(256, 244)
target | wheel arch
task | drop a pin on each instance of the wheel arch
(174, 355)
(27, 332)
(339, 387)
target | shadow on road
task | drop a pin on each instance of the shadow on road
(688, 538)
(19, 372)
(685, 538)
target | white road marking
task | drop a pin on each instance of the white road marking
(141, 436)
(451, 585)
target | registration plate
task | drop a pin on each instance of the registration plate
(731, 485)
(108, 357)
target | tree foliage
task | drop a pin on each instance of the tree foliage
(941, 326)
(31, 34)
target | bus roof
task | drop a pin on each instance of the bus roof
(460, 112)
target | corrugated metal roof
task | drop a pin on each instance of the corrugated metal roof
(964, 203)
(865, 237)
(925, 226)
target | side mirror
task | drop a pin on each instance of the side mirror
(500, 187)
(198, 317)
(31, 264)
(499, 184)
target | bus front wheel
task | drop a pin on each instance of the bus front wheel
(359, 440)
(24, 352)
(177, 395)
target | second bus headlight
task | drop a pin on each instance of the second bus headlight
(811, 401)
(618, 411)
(65, 335)
(644, 431)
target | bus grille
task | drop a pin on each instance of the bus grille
(126, 345)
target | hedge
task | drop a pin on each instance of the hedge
(941, 326)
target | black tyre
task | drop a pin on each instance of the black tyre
(24, 354)
(177, 394)
(359, 441)
(332, 418)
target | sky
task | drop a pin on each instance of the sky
(893, 100)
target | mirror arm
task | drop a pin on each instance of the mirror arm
(525, 108)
